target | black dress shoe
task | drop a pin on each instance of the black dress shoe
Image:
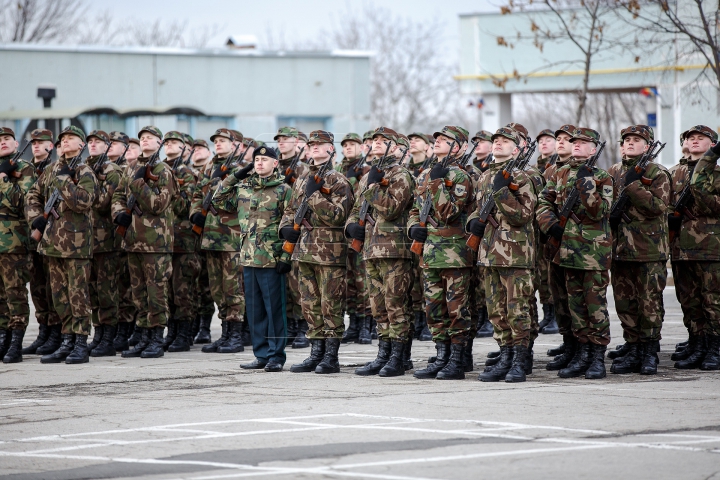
(273, 366)
(254, 365)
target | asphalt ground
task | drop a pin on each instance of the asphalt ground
(199, 416)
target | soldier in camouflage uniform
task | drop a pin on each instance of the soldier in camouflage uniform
(67, 241)
(696, 249)
(148, 239)
(105, 266)
(583, 256)
(640, 253)
(447, 260)
(386, 251)
(321, 253)
(221, 240)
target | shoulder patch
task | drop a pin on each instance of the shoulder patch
(460, 189)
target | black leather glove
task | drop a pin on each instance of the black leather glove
(542, 236)
(217, 173)
(556, 231)
(141, 172)
(290, 178)
(375, 175)
(244, 172)
(354, 230)
(438, 171)
(674, 222)
(290, 234)
(39, 224)
(64, 170)
(499, 181)
(123, 219)
(282, 268)
(615, 221)
(7, 167)
(476, 227)
(312, 186)
(198, 219)
(418, 233)
(353, 173)
(633, 175)
(584, 172)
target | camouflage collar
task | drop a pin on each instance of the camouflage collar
(259, 183)
(576, 162)
(630, 161)
(314, 167)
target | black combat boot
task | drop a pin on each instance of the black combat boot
(330, 362)
(5, 337)
(353, 330)
(620, 351)
(548, 312)
(407, 354)
(292, 330)
(43, 334)
(650, 358)
(418, 322)
(580, 362)
(80, 352)
(140, 346)
(59, 355)
(183, 338)
(156, 347)
(696, 356)
(120, 342)
(195, 327)
(529, 358)
(630, 362)
(317, 352)
(374, 367)
(245, 333)
(712, 358)
(234, 342)
(301, 340)
(684, 353)
(172, 332)
(373, 330)
(551, 327)
(432, 369)
(136, 335)
(682, 345)
(97, 337)
(498, 371)
(53, 342)
(493, 354)
(454, 369)
(596, 370)
(559, 350)
(563, 360)
(203, 335)
(106, 348)
(433, 358)
(516, 373)
(365, 335)
(14, 353)
(424, 335)
(468, 360)
(394, 366)
(212, 348)
(485, 328)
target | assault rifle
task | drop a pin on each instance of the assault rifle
(121, 160)
(619, 208)
(40, 167)
(132, 206)
(14, 160)
(294, 163)
(682, 205)
(466, 160)
(176, 164)
(207, 204)
(101, 161)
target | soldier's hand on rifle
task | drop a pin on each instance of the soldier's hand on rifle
(375, 175)
(217, 173)
(8, 167)
(674, 222)
(65, 170)
(123, 219)
(244, 173)
(140, 173)
(476, 227)
(632, 175)
(312, 186)
(615, 221)
(39, 224)
(198, 219)
(290, 234)
(354, 230)
(499, 181)
(282, 268)
(556, 231)
(584, 172)
(352, 172)
(418, 233)
(438, 171)
(290, 178)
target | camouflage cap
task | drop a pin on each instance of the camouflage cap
(72, 130)
(320, 136)
(545, 133)
(425, 138)
(41, 134)
(587, 134)
(173, 135)
(223, 133)
(134, 140)
(368, 135)
(188, 139)
(7, 131)
(403, 140)
(102, 135)
(567, 129)
(249, 142)
(456, 133)
(642, 131)
(238, 136)
(704, 130)
(265, 152)
(386, 132)
(302, 137)
(483, 135)
(258, 143)
(518, 127)
(286, 132)
(507, 132)
(351, 137)
(151, 129)
(199, 142)
(116, 136)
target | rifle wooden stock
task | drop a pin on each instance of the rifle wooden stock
(473, 242)
(289, 247)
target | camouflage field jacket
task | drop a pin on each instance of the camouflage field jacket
(345, 164)
(13, 226)
(109, 176)
(184, 240)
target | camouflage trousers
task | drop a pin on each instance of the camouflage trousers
(14, 275)
(41, 292)
(104, 292)
(389, 281)
(543, 273)
(293, 309)
(69, 282)
(584, 292)
(476, 297)
(356, 293)
(417, 297)
(183, 285)
(224, 272)
(697, 287)
(509, 293)
(126, 306)
(149, 279)
(556, 282)
(205, 303)
(638, 291)
(447, 303)
(322, 288)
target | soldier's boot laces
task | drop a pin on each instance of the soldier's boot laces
(353, 330)
(712, 358)
(53, 341)
(330, 362)
(563, 360)
(106, 348)
(485, 328)
(620, 351)
(374, 367)
(317, 352)
(650, 358)
(373, 329)
(59, 355)
(407, 354)
(43, 334)
(499, 371)
(183, 338)
(172, 332)
(292, 330)
(203, 335)
(529, 358)
(140, 346)
(432, 369)
(245, 332)
(630, 362)
(425, 335)
(136, 335)
(517, 371)
(550, 326)
(394, 366)
(365, 335)
(580, 362)
(14, 353)
(97, 336)
(301, 339)
(156, 347)
(697, 354)
(559, 350)
(80, 352)
(234, 342)
(454, 369)
(212, 348)
(5, 337)
(685, 352)
(596, 370)
(120, 342)
(468, 362)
